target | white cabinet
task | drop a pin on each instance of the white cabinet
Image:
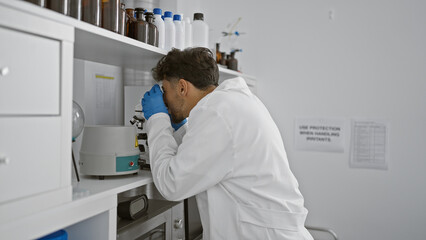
(35, 114)
(31, 84)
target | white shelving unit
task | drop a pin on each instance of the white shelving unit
(94, 202)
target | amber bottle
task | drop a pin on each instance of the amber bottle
(130, 19)
(232, 62)
(152, 29)
(140, 27)
(218, 54)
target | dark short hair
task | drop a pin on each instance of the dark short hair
(196, 65)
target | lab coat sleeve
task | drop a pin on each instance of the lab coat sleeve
(178, 134)
(204, 158)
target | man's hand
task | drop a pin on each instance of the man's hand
(152, 102)
(176, 126)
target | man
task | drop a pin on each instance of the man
(231, 157)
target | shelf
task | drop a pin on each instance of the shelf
(90, 186)
(91, 197)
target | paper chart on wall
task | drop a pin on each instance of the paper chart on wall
(369, 145)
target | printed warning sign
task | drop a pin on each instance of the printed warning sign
(323, 135)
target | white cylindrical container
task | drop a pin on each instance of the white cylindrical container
(170, 31)
(200, 31)
(159, 22)
(188, 32)
(180, 33)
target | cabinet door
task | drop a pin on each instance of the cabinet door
(29, 74)
(30, 160)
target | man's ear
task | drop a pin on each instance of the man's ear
(183, 87)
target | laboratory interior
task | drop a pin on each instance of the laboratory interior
(342, 80)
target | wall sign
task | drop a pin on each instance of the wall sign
(322, 135)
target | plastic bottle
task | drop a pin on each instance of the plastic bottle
(188, 32)
(200, 31)
(180, 33)
(169, 26)
(152, 29)
(159, 22)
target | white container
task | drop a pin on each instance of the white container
(159, 22)
(180, 32)
(109, 150)
(188, 32)
(170, 31)
(200, 31)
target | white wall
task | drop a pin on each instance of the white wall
(366, 62)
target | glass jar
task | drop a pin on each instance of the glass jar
(91, 12)
(140, 27)
(152, 29)
(110, 14)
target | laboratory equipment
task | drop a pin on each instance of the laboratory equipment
(77, 128)
(109, 150)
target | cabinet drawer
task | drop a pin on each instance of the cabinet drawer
(29, 74)
(30, 160)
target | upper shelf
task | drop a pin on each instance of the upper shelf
(96, 44)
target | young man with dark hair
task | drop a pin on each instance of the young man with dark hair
(219, 143)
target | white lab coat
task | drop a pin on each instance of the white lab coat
(232, 158)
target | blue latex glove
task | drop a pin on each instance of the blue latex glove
(152, 102)
(176, 126)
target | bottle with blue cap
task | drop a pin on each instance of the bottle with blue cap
(170, 31)
(159, 22)
(180, 32)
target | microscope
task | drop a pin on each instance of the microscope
(138, 121)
